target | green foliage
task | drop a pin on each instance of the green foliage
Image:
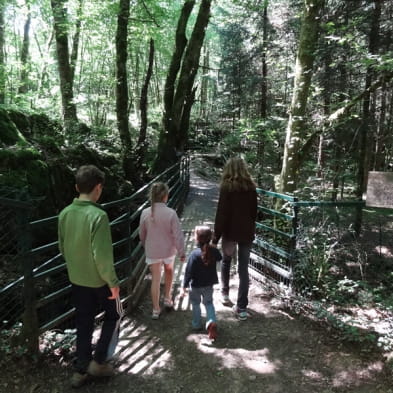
(312, 276)
(9, 133)
(348, 332)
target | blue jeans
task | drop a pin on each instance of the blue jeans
(243, 260)
(206, 295)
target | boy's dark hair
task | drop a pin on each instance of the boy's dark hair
(87, 177)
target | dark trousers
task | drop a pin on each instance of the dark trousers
(243, 260)
(88, 302)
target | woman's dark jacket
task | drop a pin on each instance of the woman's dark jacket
(235, 216)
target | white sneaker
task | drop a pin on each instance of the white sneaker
(225, 299)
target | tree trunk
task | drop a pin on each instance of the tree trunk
(264, 64)
(185, 94)
(181, 43)
(2, 63)
(178, 102)
(75, 41)
(122, 88)
(296, 123)
(381, 133)
(166, 150)
(204, 86)
(142, 143)
(23, 86)
(44, 64)
(364, 138)
(63, 60)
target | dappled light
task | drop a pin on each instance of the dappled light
(256, 361)
(355, 376)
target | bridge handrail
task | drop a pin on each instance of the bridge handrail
(126, 242)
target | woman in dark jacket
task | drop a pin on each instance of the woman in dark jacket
(235, 223)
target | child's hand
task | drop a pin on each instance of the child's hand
(182, 258)
(115, 291)
(183, 292)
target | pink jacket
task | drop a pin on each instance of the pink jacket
(161, 235)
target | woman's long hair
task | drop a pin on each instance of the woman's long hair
(158, 192)
(236, 177)
(203, 235)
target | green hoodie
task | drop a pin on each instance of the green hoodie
(85, 242)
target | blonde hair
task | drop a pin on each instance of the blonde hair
(236, 177)
(158, 192)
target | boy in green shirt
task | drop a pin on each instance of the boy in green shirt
(85, 242)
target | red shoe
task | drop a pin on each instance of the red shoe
(212, 331)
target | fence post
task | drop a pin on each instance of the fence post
(294, 232)
(30, 331)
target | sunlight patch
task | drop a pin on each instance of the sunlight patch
(385, 251)
(140, 353)
(314, 375)
(356, 376)
(257, 360)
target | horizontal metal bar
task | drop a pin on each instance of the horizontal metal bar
(269, 247)
(276, 213)
(55, 322)
(46, 247)
(55, 269)
(142, 189)
(276, 231)
(330, 203)
(276, 195)
(44, 221)
(48, 262)
(121, 242)
(52, 296)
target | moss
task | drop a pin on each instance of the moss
(21, 121)
(15, 158)
(38, 178)
(42, 126)
(10, 135)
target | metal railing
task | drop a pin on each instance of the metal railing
(40, 297)
(286, 227)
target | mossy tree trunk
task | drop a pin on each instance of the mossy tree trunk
(296, 128)
(179, 97)
(63, 60)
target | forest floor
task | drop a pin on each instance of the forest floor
(274, 351)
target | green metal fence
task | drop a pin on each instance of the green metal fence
(39, 296)
(287, 230)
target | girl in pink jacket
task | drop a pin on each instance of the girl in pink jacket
(161, 236)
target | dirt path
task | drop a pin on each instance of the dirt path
(271, 352)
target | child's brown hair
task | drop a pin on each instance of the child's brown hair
(203, 236)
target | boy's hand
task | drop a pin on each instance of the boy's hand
(115, 293)
(182, 258)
